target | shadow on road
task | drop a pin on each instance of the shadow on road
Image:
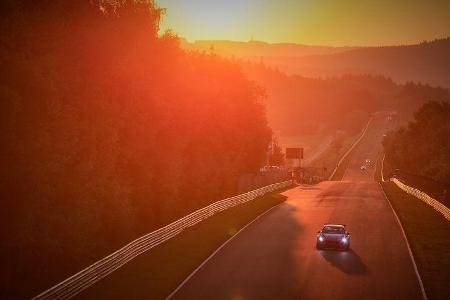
(348, 262)
(257, 264)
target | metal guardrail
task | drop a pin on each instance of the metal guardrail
(105, 266)
(350, 149)
(438, 206)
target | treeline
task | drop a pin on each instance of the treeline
(109, 130)
(423, 148)
(300, 105)
(426, 62)
(254, 50)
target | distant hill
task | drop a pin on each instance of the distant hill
(427, 62)
(342, 102)
(255, 50)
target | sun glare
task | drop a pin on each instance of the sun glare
(350, 22)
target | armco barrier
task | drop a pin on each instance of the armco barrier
(90, 275)
(438, 206)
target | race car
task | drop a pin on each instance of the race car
(333, 236)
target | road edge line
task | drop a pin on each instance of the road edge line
(419, 278)
(382, 168)
(350, 150)
(218, 249)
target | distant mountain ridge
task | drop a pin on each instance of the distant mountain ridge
(427, 62)
(257, 49)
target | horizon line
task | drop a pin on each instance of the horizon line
(192, 41)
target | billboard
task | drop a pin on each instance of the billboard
(294, 153)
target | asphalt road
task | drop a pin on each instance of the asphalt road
(275, 257)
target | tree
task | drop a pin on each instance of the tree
(276, 155)
(421, 148)
(109, 130)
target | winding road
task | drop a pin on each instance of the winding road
(275, 257)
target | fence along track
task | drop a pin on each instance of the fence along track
(438, 206)
(105, 266)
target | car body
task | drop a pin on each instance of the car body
(333, 236)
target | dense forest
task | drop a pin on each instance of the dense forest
(426, 62)
(343, 102)
(423, 148)
(109, 130)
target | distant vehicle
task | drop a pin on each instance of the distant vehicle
(333, 236)
(363, 168)
(368, 162)
(384, 135)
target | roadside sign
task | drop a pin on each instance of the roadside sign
(294, 153)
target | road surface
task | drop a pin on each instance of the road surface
(275, 257)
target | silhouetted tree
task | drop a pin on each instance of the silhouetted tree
(109, 130)
(422, 147)
(276, 155)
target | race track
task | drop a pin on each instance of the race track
(275, 257)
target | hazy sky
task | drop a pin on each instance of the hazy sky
(325, 22)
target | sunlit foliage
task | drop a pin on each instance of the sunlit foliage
(109, 131)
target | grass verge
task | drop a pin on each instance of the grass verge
(339, 174)
(329, 157)
(377, 176)
(428, 234)
(156, 273)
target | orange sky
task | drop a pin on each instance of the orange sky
(343, 22)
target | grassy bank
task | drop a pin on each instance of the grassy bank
(379, 169)
(340, 171)
(329, 157)
(429, 236)
(427, 185)
(158, 272)
(339, 174)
